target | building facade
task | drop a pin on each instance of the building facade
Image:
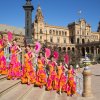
(77, 35)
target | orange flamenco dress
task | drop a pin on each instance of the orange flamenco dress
(62, 84)
(3, 67)
(52, 81)
(71, 84)
(41, 74)
(28, 72)
(14, 69)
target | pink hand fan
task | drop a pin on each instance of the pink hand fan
(10, 36)
(66, 58)
(47, 52)
(37, 47)
(56, 55)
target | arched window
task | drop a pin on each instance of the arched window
(72, 40)
(83, 41)
(64, 48)
(68, 48)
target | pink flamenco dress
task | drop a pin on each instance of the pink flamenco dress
(14, 69)
(3, 67)
(52, 81)
(62, 84)
(28, 72)
(41, 77)
(71, 84)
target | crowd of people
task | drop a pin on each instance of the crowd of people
(38, 68)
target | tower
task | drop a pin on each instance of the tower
(39, 16)
(39, 23)
(28, 7)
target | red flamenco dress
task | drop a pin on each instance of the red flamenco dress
(3, 67)
(14, 69)
(71, 84)
(62, 84)
(52, 81)
(40, 74)
(28, 72)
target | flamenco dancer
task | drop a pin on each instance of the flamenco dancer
(71, 85)
(41, 74)
(52, 81)
(14, 69)
(3, 67)
(62, 84)
(28, 72)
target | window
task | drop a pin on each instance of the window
(51, 39)
(72, 40)
(56, 32)
(40, 37)
(83, 41)
(78, 41)
(65, 33)
(64, 40)
(59, 32)
(41, 31)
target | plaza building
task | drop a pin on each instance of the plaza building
(77, 35)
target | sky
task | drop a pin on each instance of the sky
(55, 12)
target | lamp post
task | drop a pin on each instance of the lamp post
(87, 78)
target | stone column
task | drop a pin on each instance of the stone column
(87, 83)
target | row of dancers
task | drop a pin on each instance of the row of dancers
(44, 72)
